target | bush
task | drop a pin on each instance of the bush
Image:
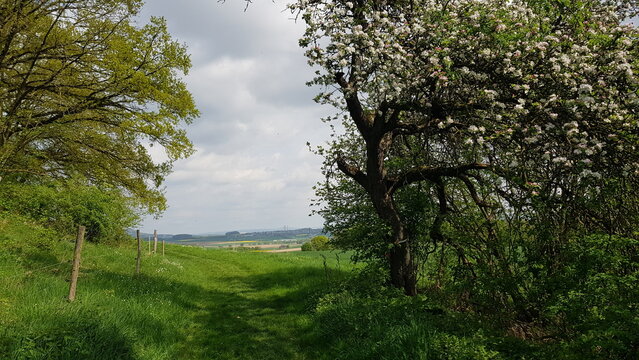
(583, 304)
(19, 234)
(63, 206)
(599, 304)
(363, 320)
(317, 243)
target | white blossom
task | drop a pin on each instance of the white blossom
(585, 88)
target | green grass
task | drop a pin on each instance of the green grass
(199, 303)
(190, 304)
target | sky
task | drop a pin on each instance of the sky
(252, 168)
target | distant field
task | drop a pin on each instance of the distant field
(259, 236)
(284, 250)
(277, 245)
(190, 304)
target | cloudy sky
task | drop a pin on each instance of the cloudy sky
(252, 168)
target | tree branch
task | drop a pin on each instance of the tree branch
(473, 192)
(434, 173)
(353, 172)
(354, 106)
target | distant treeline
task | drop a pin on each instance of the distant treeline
(303, 233)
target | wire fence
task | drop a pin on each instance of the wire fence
(29, 271)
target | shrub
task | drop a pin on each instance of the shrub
(63, 206)
(598, 306)
(317, 243)
(19, 234)
(362, 320)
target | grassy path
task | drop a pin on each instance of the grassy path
(191, 304)
(253, 306)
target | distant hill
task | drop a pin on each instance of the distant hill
(145, 236)
(301, 234)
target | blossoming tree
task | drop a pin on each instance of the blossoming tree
(534, 98)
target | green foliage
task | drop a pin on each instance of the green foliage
(364, 320)
(539, 278)
(582, 303)
(317, 243)
(85, 90)
(351, 219)
(64, 205)
(599, 300)
(23, 235)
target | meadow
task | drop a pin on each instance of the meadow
(195, 303)
(192, 303)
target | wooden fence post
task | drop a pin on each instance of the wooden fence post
(162, 246)
(155, 241)
(76, 262)
(139, 259)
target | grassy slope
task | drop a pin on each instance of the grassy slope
(190, 304)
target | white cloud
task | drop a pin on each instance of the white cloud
(252, 168)
(224, 83)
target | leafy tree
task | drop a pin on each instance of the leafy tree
(317, 243)
(83, 89)
(493, 109)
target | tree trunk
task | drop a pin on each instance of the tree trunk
(402, 269)
(376, 130)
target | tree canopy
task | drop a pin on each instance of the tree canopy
(486, 108)
(84, 90)
(317, 243)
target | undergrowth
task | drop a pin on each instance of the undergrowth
(362, 319)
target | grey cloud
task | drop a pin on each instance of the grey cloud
(252, 169)
(226, 28)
